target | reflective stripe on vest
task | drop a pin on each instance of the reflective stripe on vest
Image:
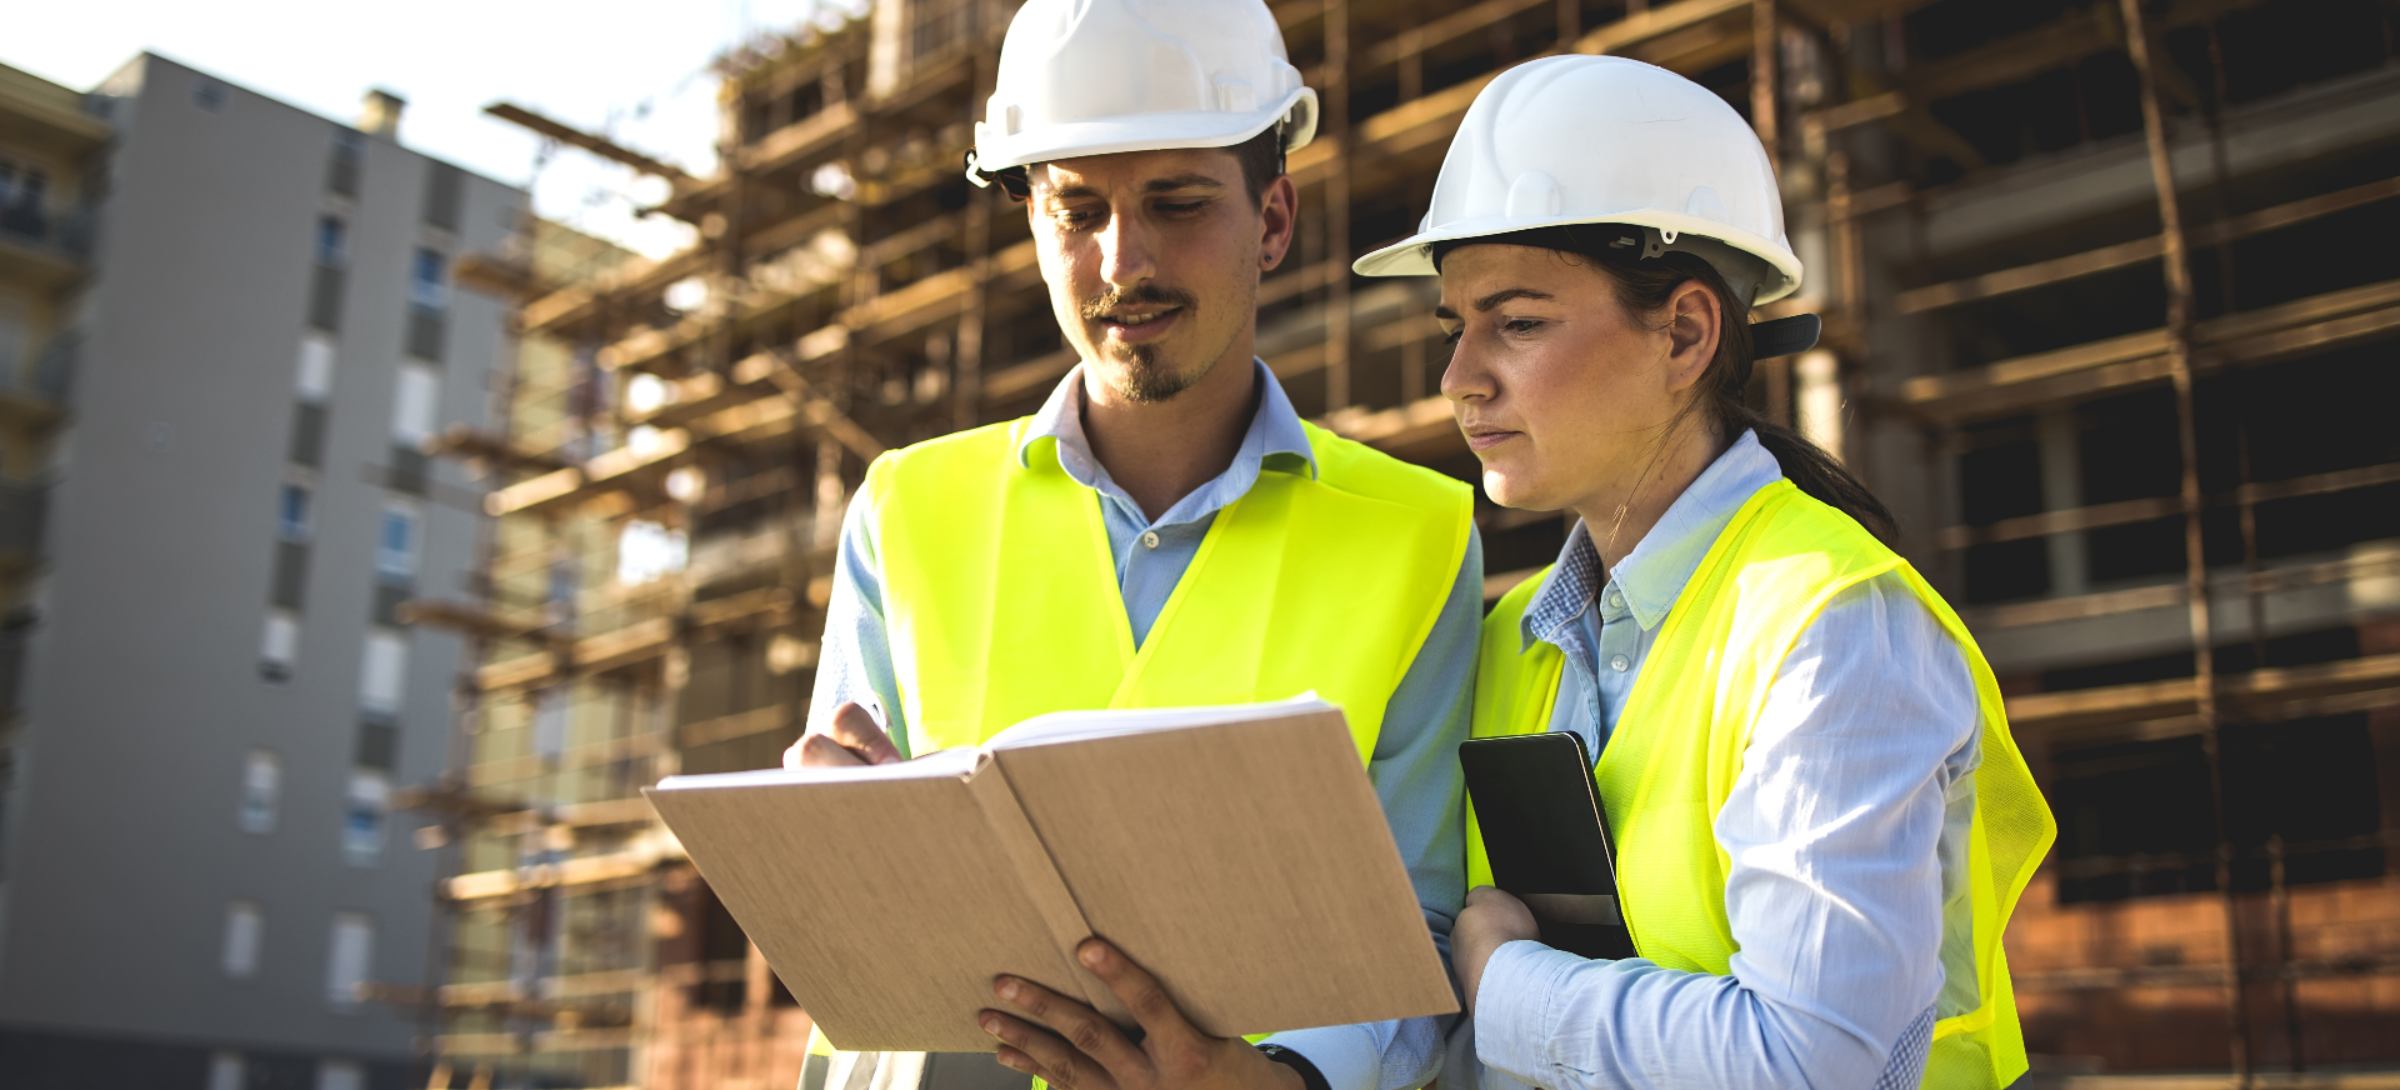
(1677, 750)
(1002, 601)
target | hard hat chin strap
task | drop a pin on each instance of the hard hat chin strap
(1011, 180)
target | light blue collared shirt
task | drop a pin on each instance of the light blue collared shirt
(1415, 764)
(1846, 833)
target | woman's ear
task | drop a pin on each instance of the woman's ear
(1695, 322)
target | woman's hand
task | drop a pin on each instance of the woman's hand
(1489, 919)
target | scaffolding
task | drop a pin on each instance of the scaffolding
(2081, 264)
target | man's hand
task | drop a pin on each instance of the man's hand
(1076, 1048)
(1489, 919)
(853, 738)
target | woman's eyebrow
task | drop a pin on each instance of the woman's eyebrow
(1443, 311)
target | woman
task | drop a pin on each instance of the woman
(1821, 821)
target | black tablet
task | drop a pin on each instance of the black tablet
(1547, 837)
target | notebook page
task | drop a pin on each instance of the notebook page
(1074, 726)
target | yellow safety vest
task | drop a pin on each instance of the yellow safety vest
(1000, 591)
(1677, 750)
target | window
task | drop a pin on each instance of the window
(315, 381)
(645, 392)
(396, 545)
(558, 602)
(337, 1075)
(292, 513)
(413, 404)
(648, 550)
(333, 242)
(21, 187)
(16, 334)
(549, 724)
(279, 645)
(262, 789)
(429, 285)
(346, 961)
(363, 816)
(2135, 819)
(244, 926)
(8, 779)
(226, 1071)
(383, 671)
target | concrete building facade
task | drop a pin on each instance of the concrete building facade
(47, 143)
(204, 885)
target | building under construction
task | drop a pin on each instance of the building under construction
(2108, 291)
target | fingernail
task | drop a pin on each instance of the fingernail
(1092, 954)
(992, 1026)
(1008, 988)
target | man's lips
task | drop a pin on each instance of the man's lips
(1135, 326)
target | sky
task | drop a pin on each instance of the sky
(637, 71)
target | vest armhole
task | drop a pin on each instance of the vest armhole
(1336, 457)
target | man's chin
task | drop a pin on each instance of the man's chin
(1144, 375)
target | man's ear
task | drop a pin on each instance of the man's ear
(1279, 210)
(1695, 323)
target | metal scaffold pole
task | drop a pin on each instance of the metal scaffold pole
(2176, 263)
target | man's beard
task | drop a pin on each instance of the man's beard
(1150, 377)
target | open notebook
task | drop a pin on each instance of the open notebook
(1238, 852)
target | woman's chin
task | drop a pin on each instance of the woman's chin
(1511, 489)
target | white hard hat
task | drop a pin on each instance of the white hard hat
(1606, 140)
(1097, 77)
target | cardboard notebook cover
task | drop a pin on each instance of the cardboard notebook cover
(1239, 853)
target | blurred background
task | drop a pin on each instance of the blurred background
(389, 491)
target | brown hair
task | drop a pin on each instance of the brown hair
(1644, 286)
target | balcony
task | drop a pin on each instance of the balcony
(13, 637)
(44, 247)
(22, 506)
(34, 393)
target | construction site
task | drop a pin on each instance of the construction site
(2107, 293)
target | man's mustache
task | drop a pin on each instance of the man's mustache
(1146, 295)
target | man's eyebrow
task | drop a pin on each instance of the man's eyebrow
(1446, 314)
(1192, 180)
(1077, 191)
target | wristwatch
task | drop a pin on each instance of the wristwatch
(1310, 1077)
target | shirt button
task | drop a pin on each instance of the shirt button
(1616, 600)
(1620, 664)
(1149, 539)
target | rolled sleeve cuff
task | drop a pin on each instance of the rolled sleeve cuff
(1513, 1005)
(1349, 1057)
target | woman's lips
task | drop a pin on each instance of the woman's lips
(1487, 439)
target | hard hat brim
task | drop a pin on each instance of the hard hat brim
(1154, 132)
(1413, 256)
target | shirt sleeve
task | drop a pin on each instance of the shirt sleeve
(1835, 831)
(854, 660)
(1415, 772)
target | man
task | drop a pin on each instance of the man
(1166, 530)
